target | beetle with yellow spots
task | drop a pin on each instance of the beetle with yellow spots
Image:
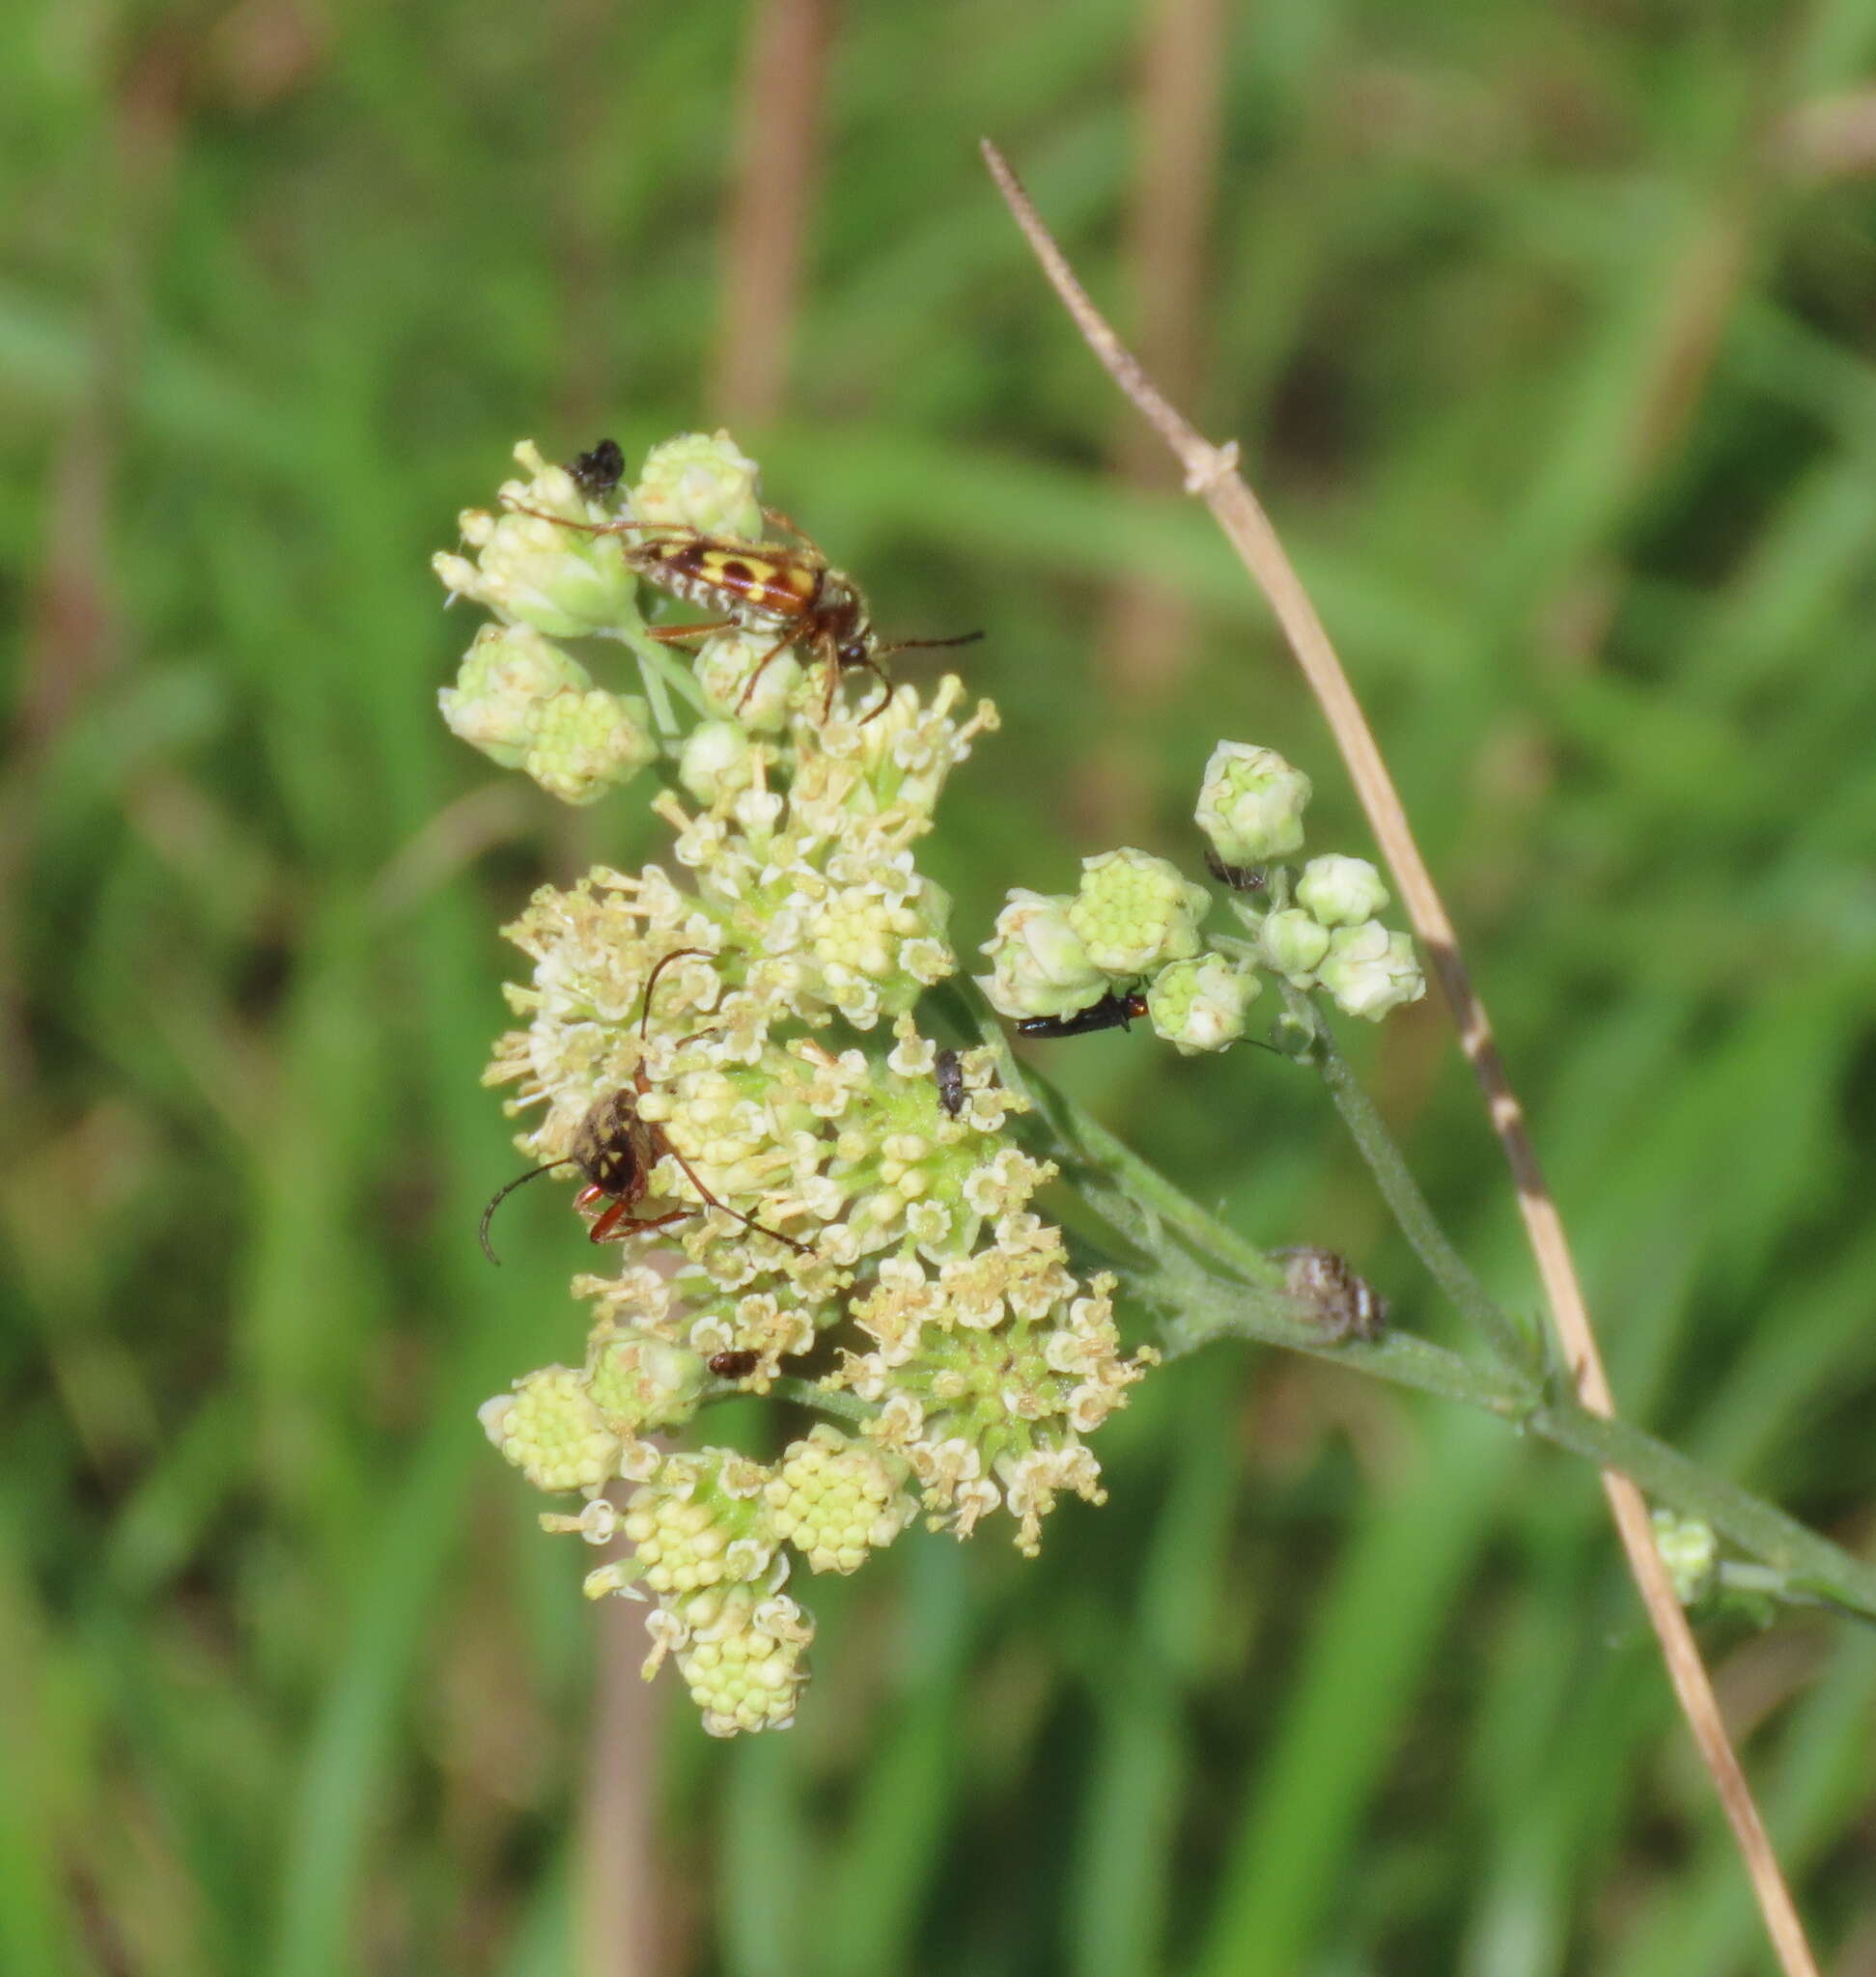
(790, 590)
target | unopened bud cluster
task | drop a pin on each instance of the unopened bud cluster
(1136, 922)
(781, 1086)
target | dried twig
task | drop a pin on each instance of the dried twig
(1211, 472)
(778, 145)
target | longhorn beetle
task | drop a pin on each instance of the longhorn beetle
(615, 1149)
(792, 591)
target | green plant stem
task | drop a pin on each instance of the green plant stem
(1508, 1344)
(661, 671)
(804, 1393)
(1198, 1306)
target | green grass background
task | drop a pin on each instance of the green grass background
(1547, 333)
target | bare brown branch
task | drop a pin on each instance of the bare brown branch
(1211, 471)
(779, 119)
(1143, 644)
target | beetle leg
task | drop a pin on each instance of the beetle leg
(710, 1201)
(615, 1225)
(672, 634)
(774, 653)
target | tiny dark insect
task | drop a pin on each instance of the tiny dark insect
(1345, 1305)
(1238, 878)
(1116, 1010)
(616, 1150)
(734, 1365)
(600, 470)
(949, 1071)
(790, 590)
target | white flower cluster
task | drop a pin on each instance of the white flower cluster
(723, 1046)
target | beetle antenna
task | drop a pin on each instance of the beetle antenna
(677, 954)
(502, 1194)
(925, 645)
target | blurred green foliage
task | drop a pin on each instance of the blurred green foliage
(1547, 333)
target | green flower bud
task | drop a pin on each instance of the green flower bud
(1690, 1552)
(743, 1660)
(504, 676)
(1135, 911)
(700, 1522)
(836, 1499)
(551, 1430)
(725, 663)
(1341, 892)
(718, 762)
(703, 481)
(530, 571)
(1200, 1005)
(1369, 970)
(1250, 804)
(1294, 945)
(1038, 963)
(641, 1383)
(583, 744)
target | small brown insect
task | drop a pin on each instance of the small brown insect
(1346, 1306)
(949, 1071)
(597, 472)
(734, 1365)
(1238, 878)
(792, 591)
(616, 1150)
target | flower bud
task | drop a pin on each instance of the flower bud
(1200, 1005)
(583, 744)
(1369, 970)
(529, 570)
(1293, 944)
(718, 762)
(836, 1499)
(1250, 804)
(703, 481)
(551, 1430)
(743, 1660)
(504, 675)
(1135, 911)
(1341, 892)
(725, 665)
(1038, 963)
(641, 1383)
(1690, 1552)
